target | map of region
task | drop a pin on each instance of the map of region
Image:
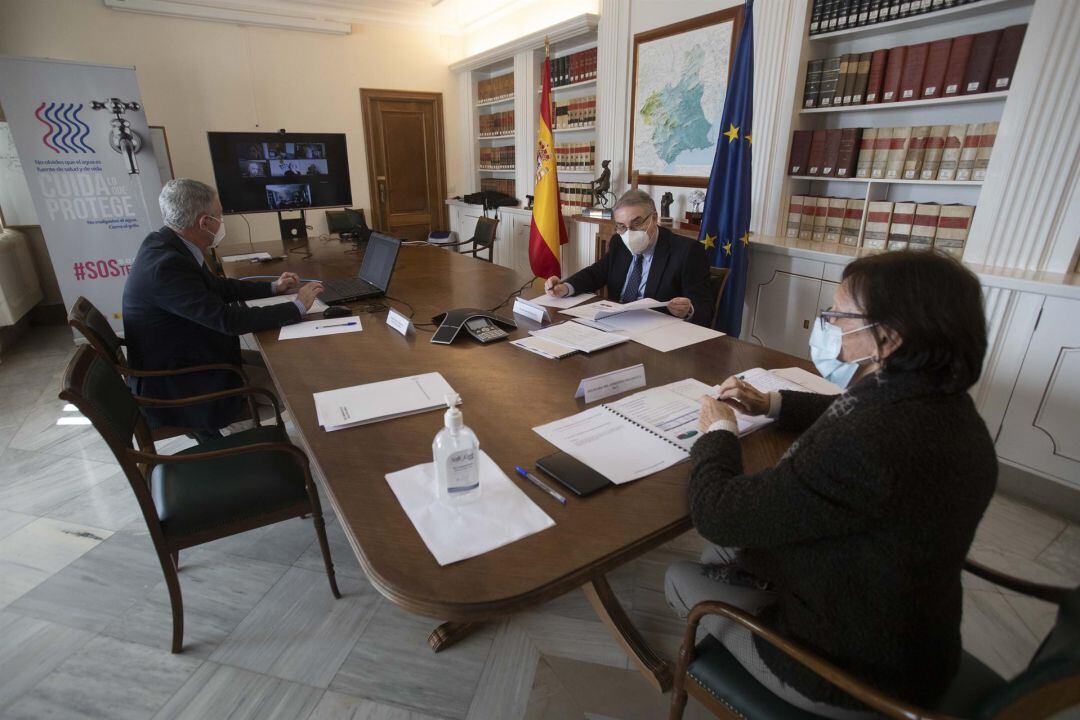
(679, 94)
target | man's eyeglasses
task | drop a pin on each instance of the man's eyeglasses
(635, 224)
(829, 315)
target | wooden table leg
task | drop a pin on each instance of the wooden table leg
(449, 633)
(607, 606)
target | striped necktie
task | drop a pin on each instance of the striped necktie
(630, 290)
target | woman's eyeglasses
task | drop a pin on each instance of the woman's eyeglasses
(829, 315)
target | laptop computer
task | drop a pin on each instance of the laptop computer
(374, 276)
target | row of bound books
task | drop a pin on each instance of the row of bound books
(579, 112)
(576, 156)
(574, 68)
(495, 124)
(825, 153)
(825, 219)
(963, 65)
(496, 88)
(927, 152)
(575, 196)
(832, 15)
(506, 186)
(497, 158)
(917, 226)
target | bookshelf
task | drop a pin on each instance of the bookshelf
(928, 27)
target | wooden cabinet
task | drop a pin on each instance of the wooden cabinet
(1041, 429)
(785, 307)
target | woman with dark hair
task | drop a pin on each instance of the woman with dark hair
(854, 543)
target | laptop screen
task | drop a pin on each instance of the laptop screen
(379, 259)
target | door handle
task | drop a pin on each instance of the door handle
(381, 182)
(805, 324)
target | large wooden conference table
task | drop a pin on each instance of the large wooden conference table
(505, 392)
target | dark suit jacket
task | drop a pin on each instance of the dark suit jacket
(679, 269)
(862, 528)
(178, 314)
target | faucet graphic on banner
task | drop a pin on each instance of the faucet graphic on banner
(122, 138)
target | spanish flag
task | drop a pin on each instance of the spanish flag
(548, 231)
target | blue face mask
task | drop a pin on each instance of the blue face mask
(826, 341)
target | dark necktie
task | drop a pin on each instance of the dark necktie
(630, 290)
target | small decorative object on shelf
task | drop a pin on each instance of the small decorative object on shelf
(529, 202)
(665, 208)
(602, 197)
(693, 217)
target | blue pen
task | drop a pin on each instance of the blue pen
(539, 483)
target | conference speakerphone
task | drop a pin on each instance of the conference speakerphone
(481, 324)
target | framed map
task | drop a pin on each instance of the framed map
(677, 96)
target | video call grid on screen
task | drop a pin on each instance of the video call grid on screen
(260, 172)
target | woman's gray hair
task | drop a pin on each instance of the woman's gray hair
(183, 200)
(637, 198)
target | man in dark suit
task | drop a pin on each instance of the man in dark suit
(646, 261)
(177, 313)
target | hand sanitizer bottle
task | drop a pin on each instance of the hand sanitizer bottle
(457, 457)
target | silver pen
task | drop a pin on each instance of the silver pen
(539, 483)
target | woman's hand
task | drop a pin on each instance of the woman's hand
(755, 402)
(713, 410)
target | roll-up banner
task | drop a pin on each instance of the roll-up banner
(83, 141)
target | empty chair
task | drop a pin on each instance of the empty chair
(213, 490)
(718, 278)
(483, 239)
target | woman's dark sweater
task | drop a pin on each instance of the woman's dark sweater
(862, 529)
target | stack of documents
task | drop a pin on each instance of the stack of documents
(578, 337)
(656, 330)
(499, 516)
(569, 301)
(543, 348)
(316, 307)
(363, 404)
(606, 308)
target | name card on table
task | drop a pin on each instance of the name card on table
(398, 321)
(529, 310)
(611, 383)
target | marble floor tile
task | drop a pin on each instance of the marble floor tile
(220, 691)
(35, 483)
(1013, 565)
(392, 663)
(44, 431)
(218, 593)
(587, 640)
(1019, 528)
(1063, 555)
(341, 553)
(503, 689)
(298, 631)
(549, 699)
(107, 680)
(16, 402)
(30, 650)
(97, 588)
(1038, 616)
(109, 504)
(31, 370)
(282, 543)
(44, 340)
(32, 554)
(335, 706)
(993, 632)
(12, 521)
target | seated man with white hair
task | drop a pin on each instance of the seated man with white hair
(177, 313)
(649, 261)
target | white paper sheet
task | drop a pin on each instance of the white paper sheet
(673, 336)
(808, 380)
(612, 446)
(316, 307)
(501, 514)
(247, 256)
(764, 381)
(542, 347)
(362, 404)
(570, 301)
(579, 337)
(606, 308)
(317, 328)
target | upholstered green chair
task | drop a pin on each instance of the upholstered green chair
(227, 486)
(1049, 685)
(92, 325)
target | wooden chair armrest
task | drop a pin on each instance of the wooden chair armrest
(155, 459)
(1049, 593)
(890, 707)
(454, 244)
(183, 371)
(247, 390)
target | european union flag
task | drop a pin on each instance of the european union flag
(725, 222)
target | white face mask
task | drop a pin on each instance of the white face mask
(636, 241)
(826, 342)
(220, 234)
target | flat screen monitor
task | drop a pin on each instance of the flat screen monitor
(268, 172)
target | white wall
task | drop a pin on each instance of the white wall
(197, 76)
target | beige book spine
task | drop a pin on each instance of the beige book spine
(878, 215)
(898, 147)
(794, 217)
(903, 216)
(950, 154)
(881, 152)
(806, 224)
(849, 234)
(834, 223)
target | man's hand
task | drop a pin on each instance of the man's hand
(713, 410)
(754, 401)
(553, 287)
(680, 307)
(288, 282)
(308, 293)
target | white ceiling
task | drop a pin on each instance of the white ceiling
(450, 16)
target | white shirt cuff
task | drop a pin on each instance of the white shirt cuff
(691, 313)
(274, 287)
(725, 425)
(571, 289)
(300, 306)
(774, 404)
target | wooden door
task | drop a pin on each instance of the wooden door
(403, 134)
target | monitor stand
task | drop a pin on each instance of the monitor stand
(294, 234)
